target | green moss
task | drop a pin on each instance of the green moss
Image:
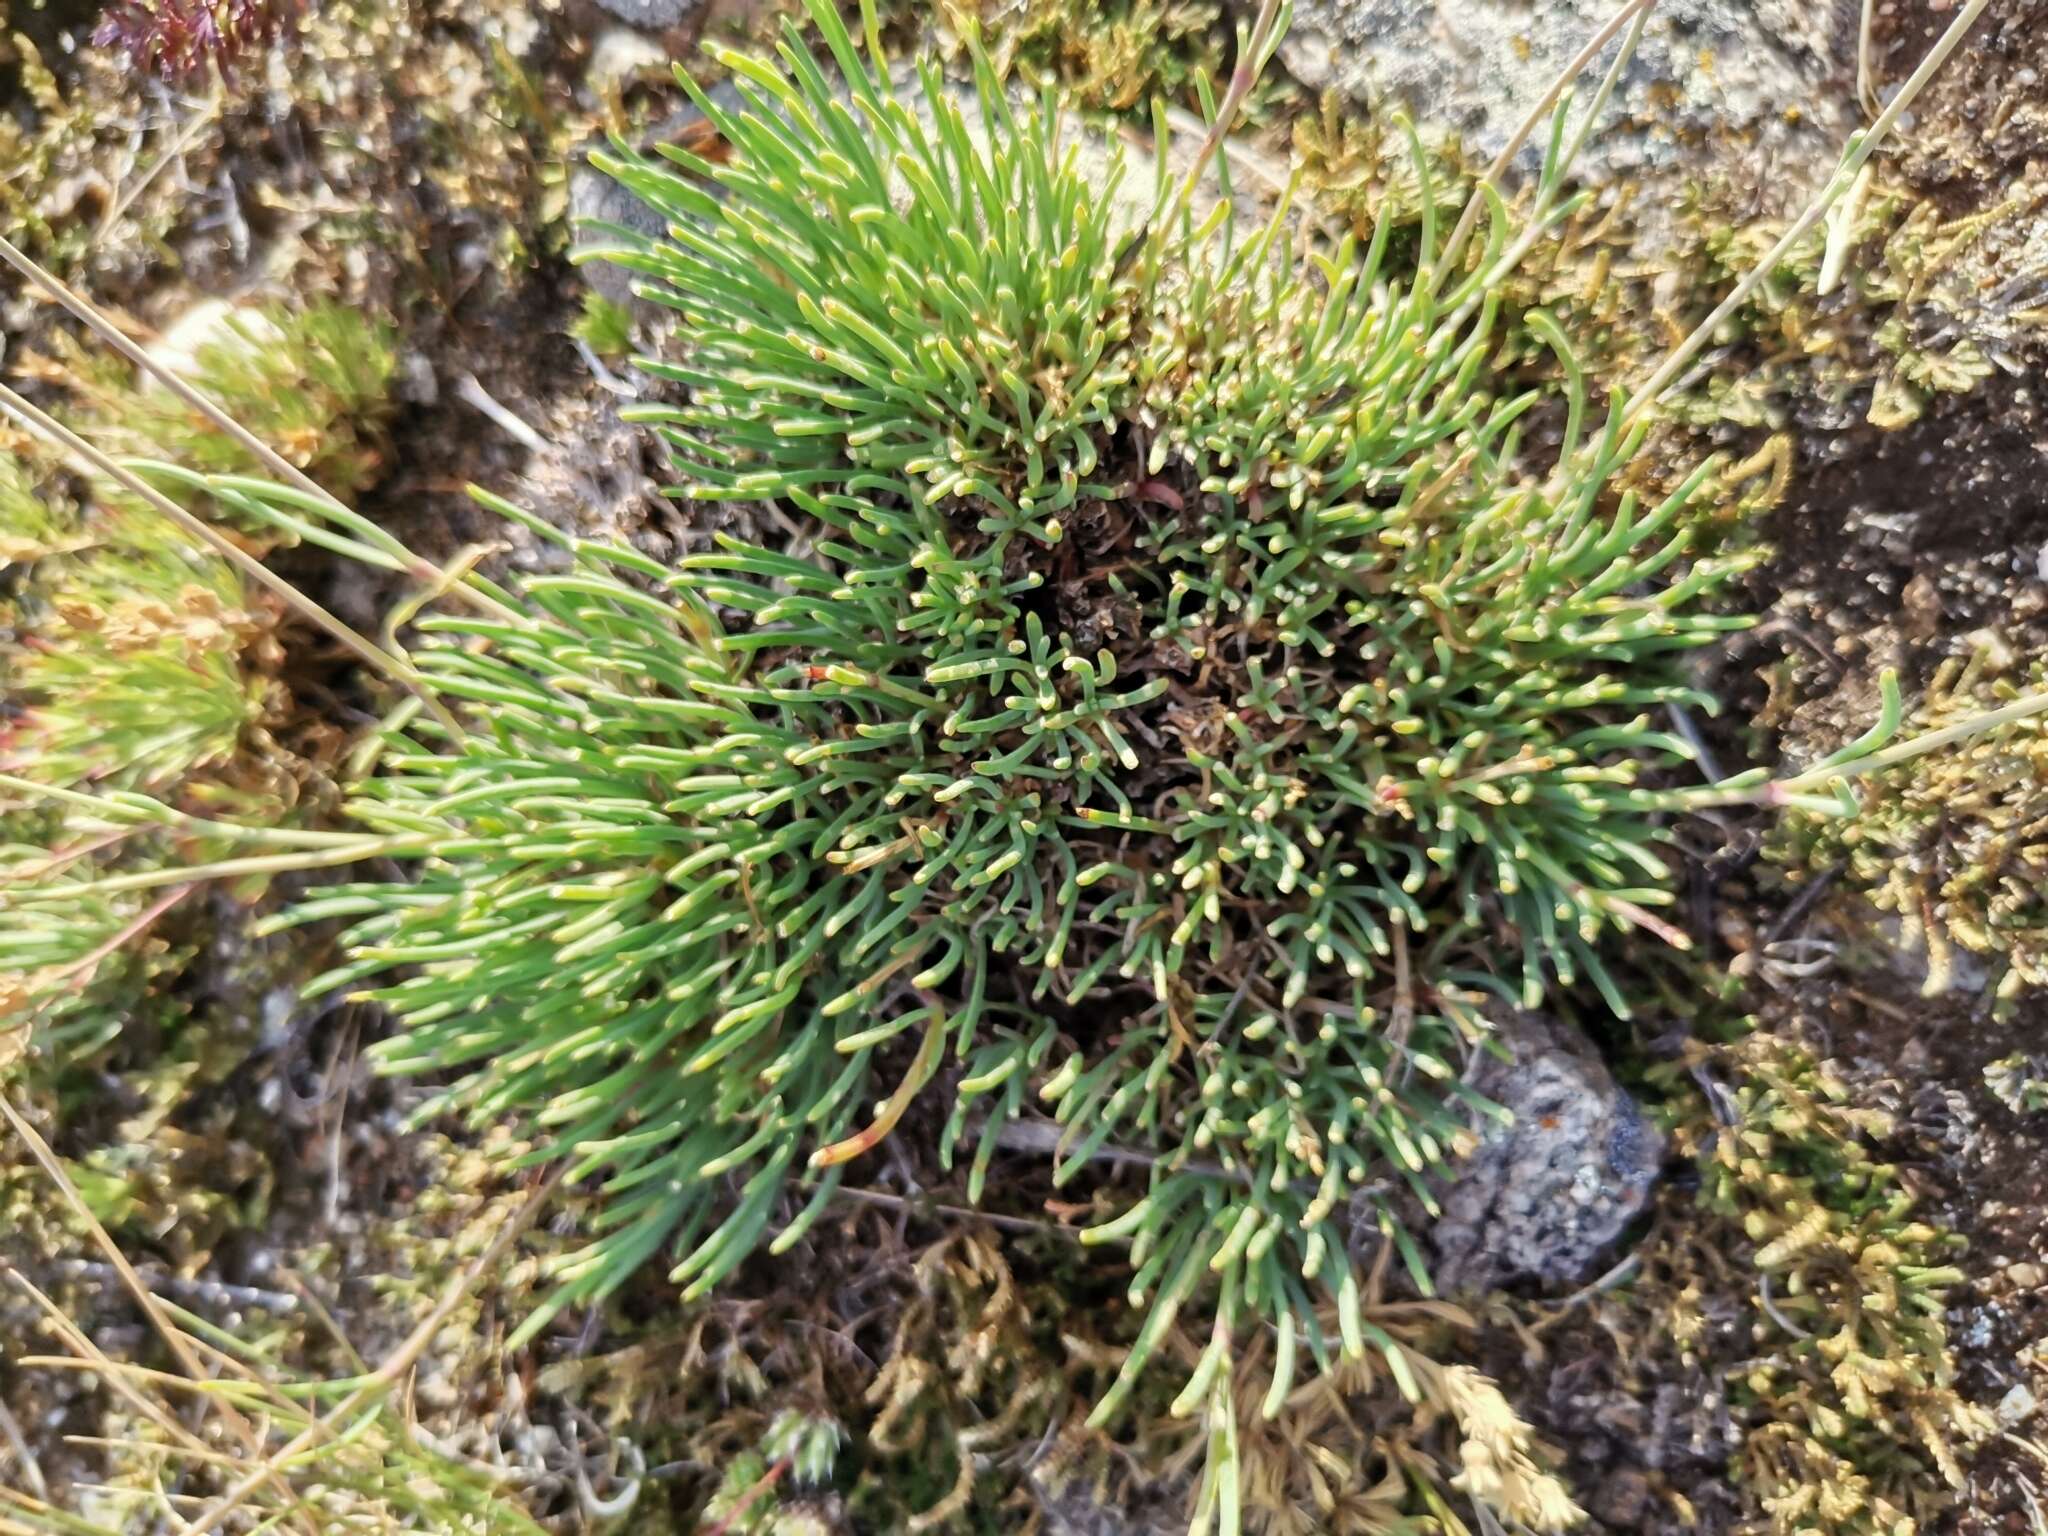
(1887, 305)
(123, 667)
(606, 328)
(137, 662)
(1954, 843)
(1362, 167)
(1853, 1421)
(129, 667)
(2019, 1082)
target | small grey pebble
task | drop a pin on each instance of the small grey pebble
(649, 15)
(417, 382)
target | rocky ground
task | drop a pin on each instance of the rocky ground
(422, 162)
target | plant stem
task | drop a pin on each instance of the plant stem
(159, 814)
(752, 1497)
(370, 847)
(1251, 62)
(1778, 791)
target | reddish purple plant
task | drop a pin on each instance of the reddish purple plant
(178, 39)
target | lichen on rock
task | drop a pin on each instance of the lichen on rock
(1545, 1197)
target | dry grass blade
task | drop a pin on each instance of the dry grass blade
(47, 1160)
(389, 1373)
(221, 1380)
(1633, 10)
(265, 455)
(174, 1338)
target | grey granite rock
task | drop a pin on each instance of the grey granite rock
(595, 199)
(1546, 1198)
(1772, 77)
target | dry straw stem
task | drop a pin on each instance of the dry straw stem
(1539, 113)
(141, 809)
(87, 963)
(299, 849)
(269, 458)
(87, 1355)
(287, 472)
(367, 846)
(47, 1160)
(1866, 92)
(268, 1470)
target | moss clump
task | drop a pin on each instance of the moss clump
(604, 327)
(137, 663)
(173, 1425)
(2019, 1082)
(1967, 298)
(1854, 1424)
(1954, 842)
(124, 667)
(127, 667)
(1364, 169)
(51, 146)
(924, 1416)
(310, 382)
(1893, 302)
(1115, 57)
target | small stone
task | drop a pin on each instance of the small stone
(2016, 1407)
(649, 15)
(2025, 1277)
(209, 323)
(417, 383)
(594, 198)
(1621, 1500)
(1546, 1197)
(1921, 601)
(621, 54)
